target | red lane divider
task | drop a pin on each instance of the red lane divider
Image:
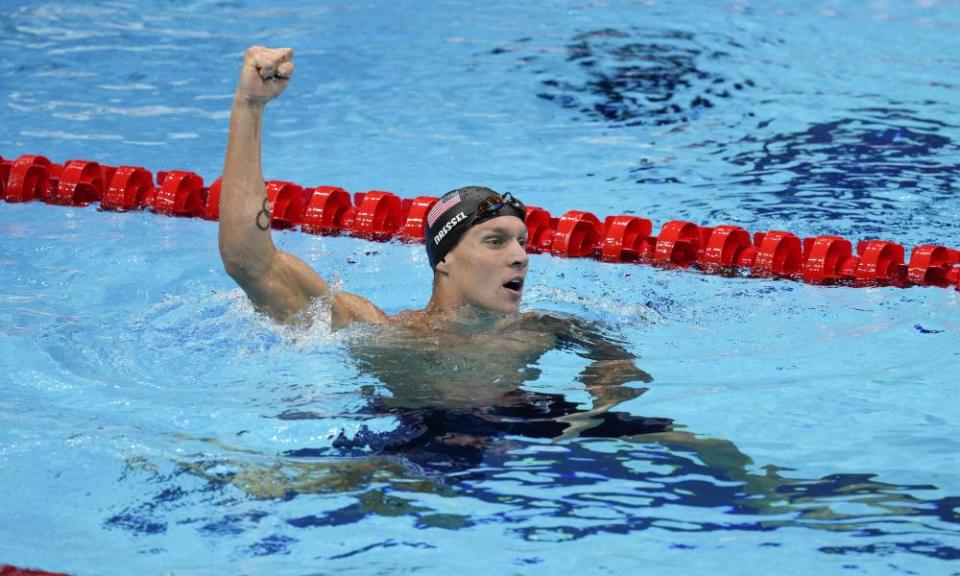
(728, 246)
(933, 266)
(577, 235)
(130, 188)
(377, 215)
(540, 229)
(80, 183)
(30, 178)
(288, 202)
(414, 215)
(625, 239)
(380, 215)
(8, 570)
(181, 193)
(778, 253)
(328, 211)
(678, 244)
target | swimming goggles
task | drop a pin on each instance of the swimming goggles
(492, 205)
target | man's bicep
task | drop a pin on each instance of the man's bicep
(304, 277)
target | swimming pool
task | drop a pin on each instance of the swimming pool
(153, 423)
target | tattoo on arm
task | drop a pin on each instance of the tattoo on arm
(265, 214)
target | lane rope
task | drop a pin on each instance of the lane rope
(9, 570)
(383, 216)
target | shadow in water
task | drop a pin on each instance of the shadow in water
(625, 474)
(857, 168)
(635, 76)
(854, 167)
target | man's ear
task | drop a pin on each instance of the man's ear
(442, 266)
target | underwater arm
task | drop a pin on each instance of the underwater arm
(612, 366)
(605, 380)
(279, 284)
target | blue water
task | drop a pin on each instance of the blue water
(151, 422)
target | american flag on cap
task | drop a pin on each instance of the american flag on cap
(448, 201)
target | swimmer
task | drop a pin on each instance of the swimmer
(476, 238)
(476, 245)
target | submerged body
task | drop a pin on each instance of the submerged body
(479, 361)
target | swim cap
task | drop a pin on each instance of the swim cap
(460, 209)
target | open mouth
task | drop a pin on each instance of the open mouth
(515, 285)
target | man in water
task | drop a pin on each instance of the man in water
(470, 327)
(476, 238)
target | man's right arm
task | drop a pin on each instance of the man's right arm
(279, 284)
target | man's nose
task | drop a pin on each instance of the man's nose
(518, 255)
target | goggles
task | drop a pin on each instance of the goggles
(492, 205)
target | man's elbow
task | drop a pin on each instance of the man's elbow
(234, 269)
(234, 263)
(248, 266)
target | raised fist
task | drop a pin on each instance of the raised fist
(265, 73)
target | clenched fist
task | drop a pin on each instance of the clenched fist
(265, 73)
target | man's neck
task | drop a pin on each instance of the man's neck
(464, 316)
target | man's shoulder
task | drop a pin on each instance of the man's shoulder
(348, 308)
(570, 329)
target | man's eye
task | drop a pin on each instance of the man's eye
(522, 241)
(494, 241)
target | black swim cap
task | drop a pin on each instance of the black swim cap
(460, 209)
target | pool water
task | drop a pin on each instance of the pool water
(151, 422)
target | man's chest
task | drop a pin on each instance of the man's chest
(454, 368)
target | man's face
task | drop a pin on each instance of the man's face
(488, 267)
